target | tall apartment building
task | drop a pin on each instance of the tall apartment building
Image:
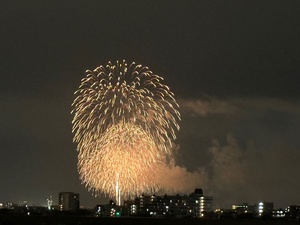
(68, 201)
(265, 208)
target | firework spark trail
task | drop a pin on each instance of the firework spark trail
(126, 151)
(124, 124)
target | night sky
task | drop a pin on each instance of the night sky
(233, 66)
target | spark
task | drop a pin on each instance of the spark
(124, 123)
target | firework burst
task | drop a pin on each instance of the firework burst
(124, 124)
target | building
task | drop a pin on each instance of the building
(265, 209)
(242, 211)
(240, 208)
(293, 212)
(278, 213)
(200, 204)
(49, 202)
(194, 205)
(68, 201)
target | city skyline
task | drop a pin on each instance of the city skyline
(233, 67)
(70, 201)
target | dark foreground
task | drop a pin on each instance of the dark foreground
(76, 220)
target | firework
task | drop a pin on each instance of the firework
(124, 123)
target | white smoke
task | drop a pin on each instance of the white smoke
(176, 179)
(256, 162)
(204, 107)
